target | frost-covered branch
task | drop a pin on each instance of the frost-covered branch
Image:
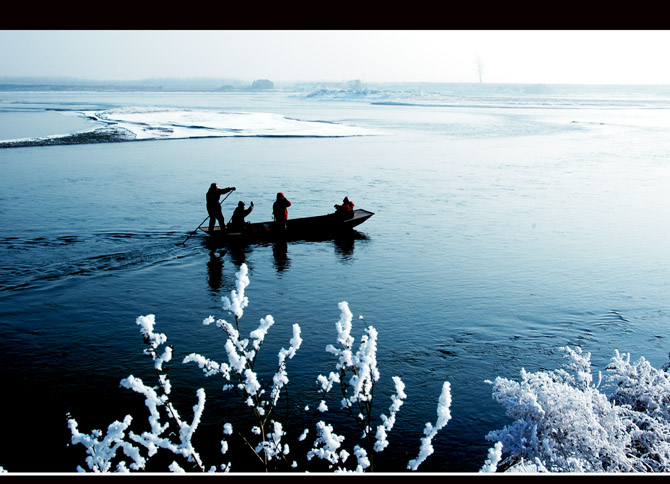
(430, 431)
(102, 452)
(102, 449)
(239, 374)
(153, 440)
(388, 422)
(356, 374)
(238, 301)
(495, 454)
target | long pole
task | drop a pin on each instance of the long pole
(196, 229)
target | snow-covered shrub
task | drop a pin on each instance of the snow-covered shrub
(564, 423)
(356, 374)
(640, 386)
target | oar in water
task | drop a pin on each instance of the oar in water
(196, 229)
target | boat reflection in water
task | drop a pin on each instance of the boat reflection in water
(238, 250)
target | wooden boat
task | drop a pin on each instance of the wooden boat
(321, 226)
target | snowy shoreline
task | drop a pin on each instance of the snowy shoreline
(147, 123)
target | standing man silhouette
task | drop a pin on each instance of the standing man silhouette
(213, 206)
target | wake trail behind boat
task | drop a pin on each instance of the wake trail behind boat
(46, 260)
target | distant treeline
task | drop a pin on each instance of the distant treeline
(75, 87)
(151, 85)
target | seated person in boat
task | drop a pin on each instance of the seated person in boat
(346, 210)
(237, 220)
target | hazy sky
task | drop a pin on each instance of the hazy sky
(525, 56)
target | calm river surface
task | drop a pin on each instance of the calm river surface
(506, 226)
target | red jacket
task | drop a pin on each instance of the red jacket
(347, 206)
(279, 207)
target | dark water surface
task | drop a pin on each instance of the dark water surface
(499, 235)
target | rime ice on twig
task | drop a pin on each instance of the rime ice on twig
(239, 374)
(382, 430)
(357, 391)
(443, 416)
(491, 463)
(154, 440)
(327, 444)
(238, 301)
(101, 452)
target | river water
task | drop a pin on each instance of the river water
(507, 224)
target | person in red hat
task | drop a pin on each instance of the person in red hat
(280, 212)
(345, 210)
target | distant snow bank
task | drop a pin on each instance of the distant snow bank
(165, 123)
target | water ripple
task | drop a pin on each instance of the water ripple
(39, 260)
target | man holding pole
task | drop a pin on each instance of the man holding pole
(213, 206)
